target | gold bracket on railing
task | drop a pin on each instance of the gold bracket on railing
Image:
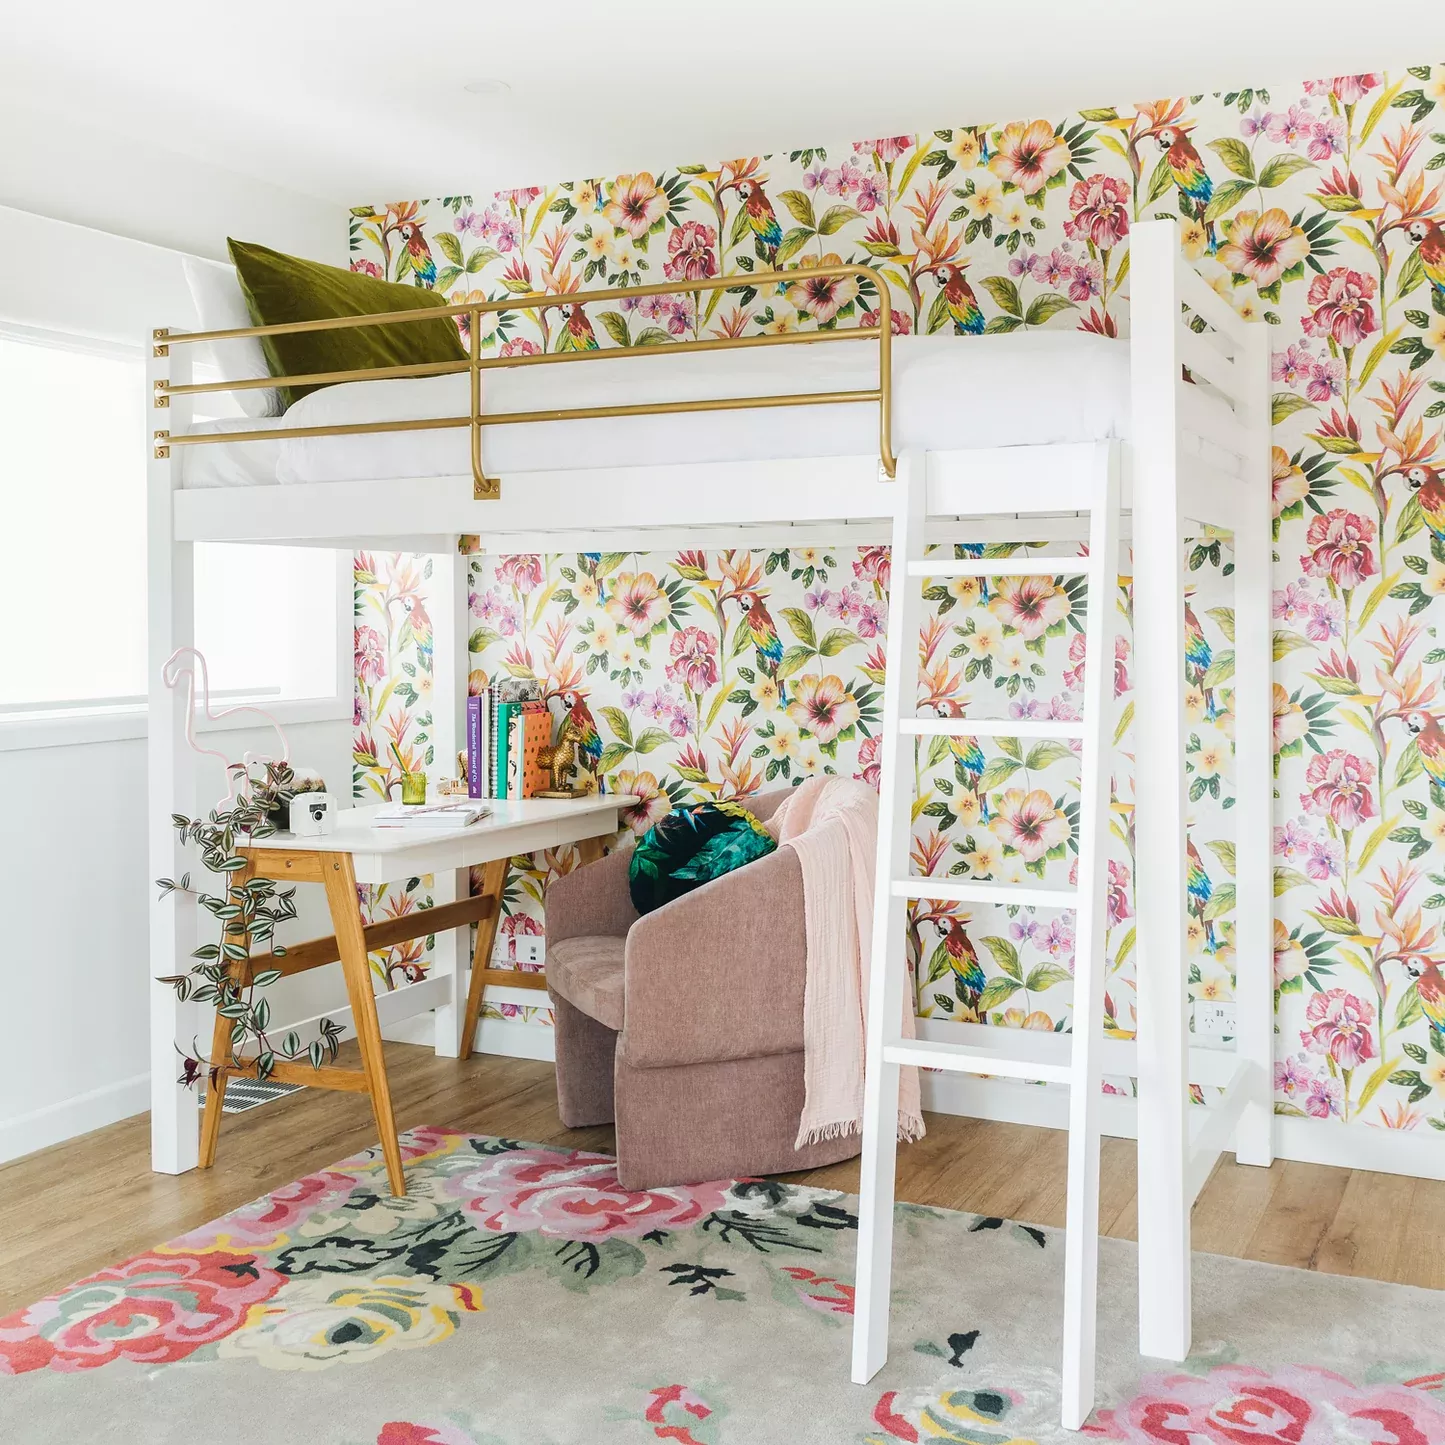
(484, 488)
(162, 450)
(158, 336)
(162, 396)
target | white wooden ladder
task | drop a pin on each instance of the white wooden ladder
(887, 1049)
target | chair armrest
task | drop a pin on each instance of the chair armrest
(591, 901)
(718, 973)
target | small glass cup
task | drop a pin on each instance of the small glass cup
(413, 788)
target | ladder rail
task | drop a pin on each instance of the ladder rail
(1081, 1220)
(889, 965)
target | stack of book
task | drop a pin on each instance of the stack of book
(430, 817)
(507, 728)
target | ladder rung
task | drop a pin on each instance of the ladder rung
(989, 727)
(1001, 567)
(971, 1059)
(1020, 894)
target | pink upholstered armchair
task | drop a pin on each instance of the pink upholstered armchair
(685, 1027)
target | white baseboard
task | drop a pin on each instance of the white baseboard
(516, 1040)
(1419, 1153)
(56, 1123)
(511, 1038)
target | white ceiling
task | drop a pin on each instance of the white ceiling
(364, 101)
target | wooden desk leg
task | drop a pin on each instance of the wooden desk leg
(340, 880)
(221, 1042)
(494, 884)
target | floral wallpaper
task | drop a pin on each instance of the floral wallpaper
(1317, 210)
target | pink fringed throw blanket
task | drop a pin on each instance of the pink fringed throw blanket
(832, 825)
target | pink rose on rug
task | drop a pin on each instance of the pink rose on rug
(261, 1223)
(574, 1196)
(1297, 1405)
(152, 1309)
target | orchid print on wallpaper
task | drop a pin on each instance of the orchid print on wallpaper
(1317, 210)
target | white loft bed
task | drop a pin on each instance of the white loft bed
(1046, 426)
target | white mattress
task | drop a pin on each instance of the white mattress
(949, 392)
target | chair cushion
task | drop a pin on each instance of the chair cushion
(588, 973)
(692, 846)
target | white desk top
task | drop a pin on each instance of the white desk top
(526, 825)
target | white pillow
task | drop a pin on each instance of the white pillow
(220, 306)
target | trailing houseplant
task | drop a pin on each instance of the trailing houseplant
(248, 913)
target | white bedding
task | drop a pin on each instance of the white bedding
(949, 392)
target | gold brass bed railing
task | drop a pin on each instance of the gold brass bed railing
(488, 488)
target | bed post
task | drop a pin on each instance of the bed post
(1159, 792)
(1254, 764)
(450, 666)
(171, 771)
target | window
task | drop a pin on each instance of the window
(73, 418)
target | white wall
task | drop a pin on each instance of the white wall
(74, 974)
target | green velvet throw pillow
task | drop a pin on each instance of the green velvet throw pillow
(690, 847)
(280, 288)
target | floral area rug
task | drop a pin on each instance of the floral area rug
(519, 1296)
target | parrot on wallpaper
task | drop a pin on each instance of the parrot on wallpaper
(968, 973)
(1430, 238)
(1198, 656)
(1429, 491)
(1430, 740)
(765, 637)
(959, 301)
(762, 220)
(1201, 890)
(418, 620)
(1430, 986)
(970, 757)
(423, 267)
(1187, 168)
(583, 727)
(577, 334)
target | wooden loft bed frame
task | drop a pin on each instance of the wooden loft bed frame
(1163, 476)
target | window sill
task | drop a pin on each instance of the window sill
(78, 727)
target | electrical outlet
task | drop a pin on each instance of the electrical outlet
(531, 949)
(1214, 1018)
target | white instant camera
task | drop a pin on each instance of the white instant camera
(312, 814)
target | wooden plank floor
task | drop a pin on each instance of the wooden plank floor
(93, 1201)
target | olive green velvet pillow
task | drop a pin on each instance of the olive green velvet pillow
(280, 288)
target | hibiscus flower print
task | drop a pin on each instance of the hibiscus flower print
(635, 204)
(638, 603)
(1027, 154)
(1029, 824)
(1029, 605)
(1262, 247)
(823, 706)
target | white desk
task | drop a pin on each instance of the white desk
(360, 852)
